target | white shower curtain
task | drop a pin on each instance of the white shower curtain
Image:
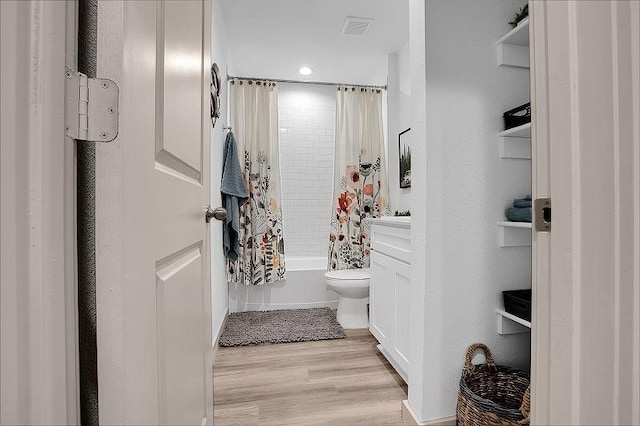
(360, 176)
(254, 121)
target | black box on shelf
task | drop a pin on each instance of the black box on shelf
(518, 303)
(517, 116)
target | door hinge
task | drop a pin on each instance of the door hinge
(91, 107)
(542, 214)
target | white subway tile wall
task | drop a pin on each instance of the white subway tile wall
(307, 122)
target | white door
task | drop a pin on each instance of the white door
(586, 158)
(152, 190)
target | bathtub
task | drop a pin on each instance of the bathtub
(304, 287)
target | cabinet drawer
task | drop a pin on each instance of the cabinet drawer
(392, 241)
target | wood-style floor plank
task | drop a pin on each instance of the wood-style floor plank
(338, 382)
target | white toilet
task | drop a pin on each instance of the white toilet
(353, 287)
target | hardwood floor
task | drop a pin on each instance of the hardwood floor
(338, 382)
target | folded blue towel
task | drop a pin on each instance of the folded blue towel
(522, 202)
(518, 214)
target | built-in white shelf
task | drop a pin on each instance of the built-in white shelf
(518, 35)
(516, 142)
(511, 324)
(523, 131)
(514, 234)
(513, 47)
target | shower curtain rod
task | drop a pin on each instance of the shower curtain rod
(317, 83)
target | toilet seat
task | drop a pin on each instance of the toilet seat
(349, 274)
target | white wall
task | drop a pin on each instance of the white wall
(399, 119)
(307, 128)
(219, 286)
(458, 96)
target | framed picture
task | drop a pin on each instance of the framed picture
(404, 150)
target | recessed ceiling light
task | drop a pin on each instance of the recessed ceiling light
(305, 71)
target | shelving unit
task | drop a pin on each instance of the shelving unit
(523, 131)
(516, 142)
(511, 324)
(514, 234)
(513, 47)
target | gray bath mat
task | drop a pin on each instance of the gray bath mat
(292, 325)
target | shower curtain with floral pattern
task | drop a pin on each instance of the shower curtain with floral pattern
(360, 176)
(254, 121)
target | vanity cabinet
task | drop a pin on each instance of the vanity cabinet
(389, 290)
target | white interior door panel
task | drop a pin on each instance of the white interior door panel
(154, 303)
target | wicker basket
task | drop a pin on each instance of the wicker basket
(491, 394)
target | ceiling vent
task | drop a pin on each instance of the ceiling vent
(355, 26)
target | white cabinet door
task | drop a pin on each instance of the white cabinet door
(400, 283)
(389, 306)
(380, 298)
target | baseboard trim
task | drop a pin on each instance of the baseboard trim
(217, 339)
(409, 418)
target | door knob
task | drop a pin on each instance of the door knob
(220, 213)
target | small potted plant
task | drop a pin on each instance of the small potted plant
(522, 13)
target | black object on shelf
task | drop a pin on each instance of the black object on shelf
(518, 303)
(517, 116)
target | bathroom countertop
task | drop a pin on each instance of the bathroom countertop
(395, 221)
